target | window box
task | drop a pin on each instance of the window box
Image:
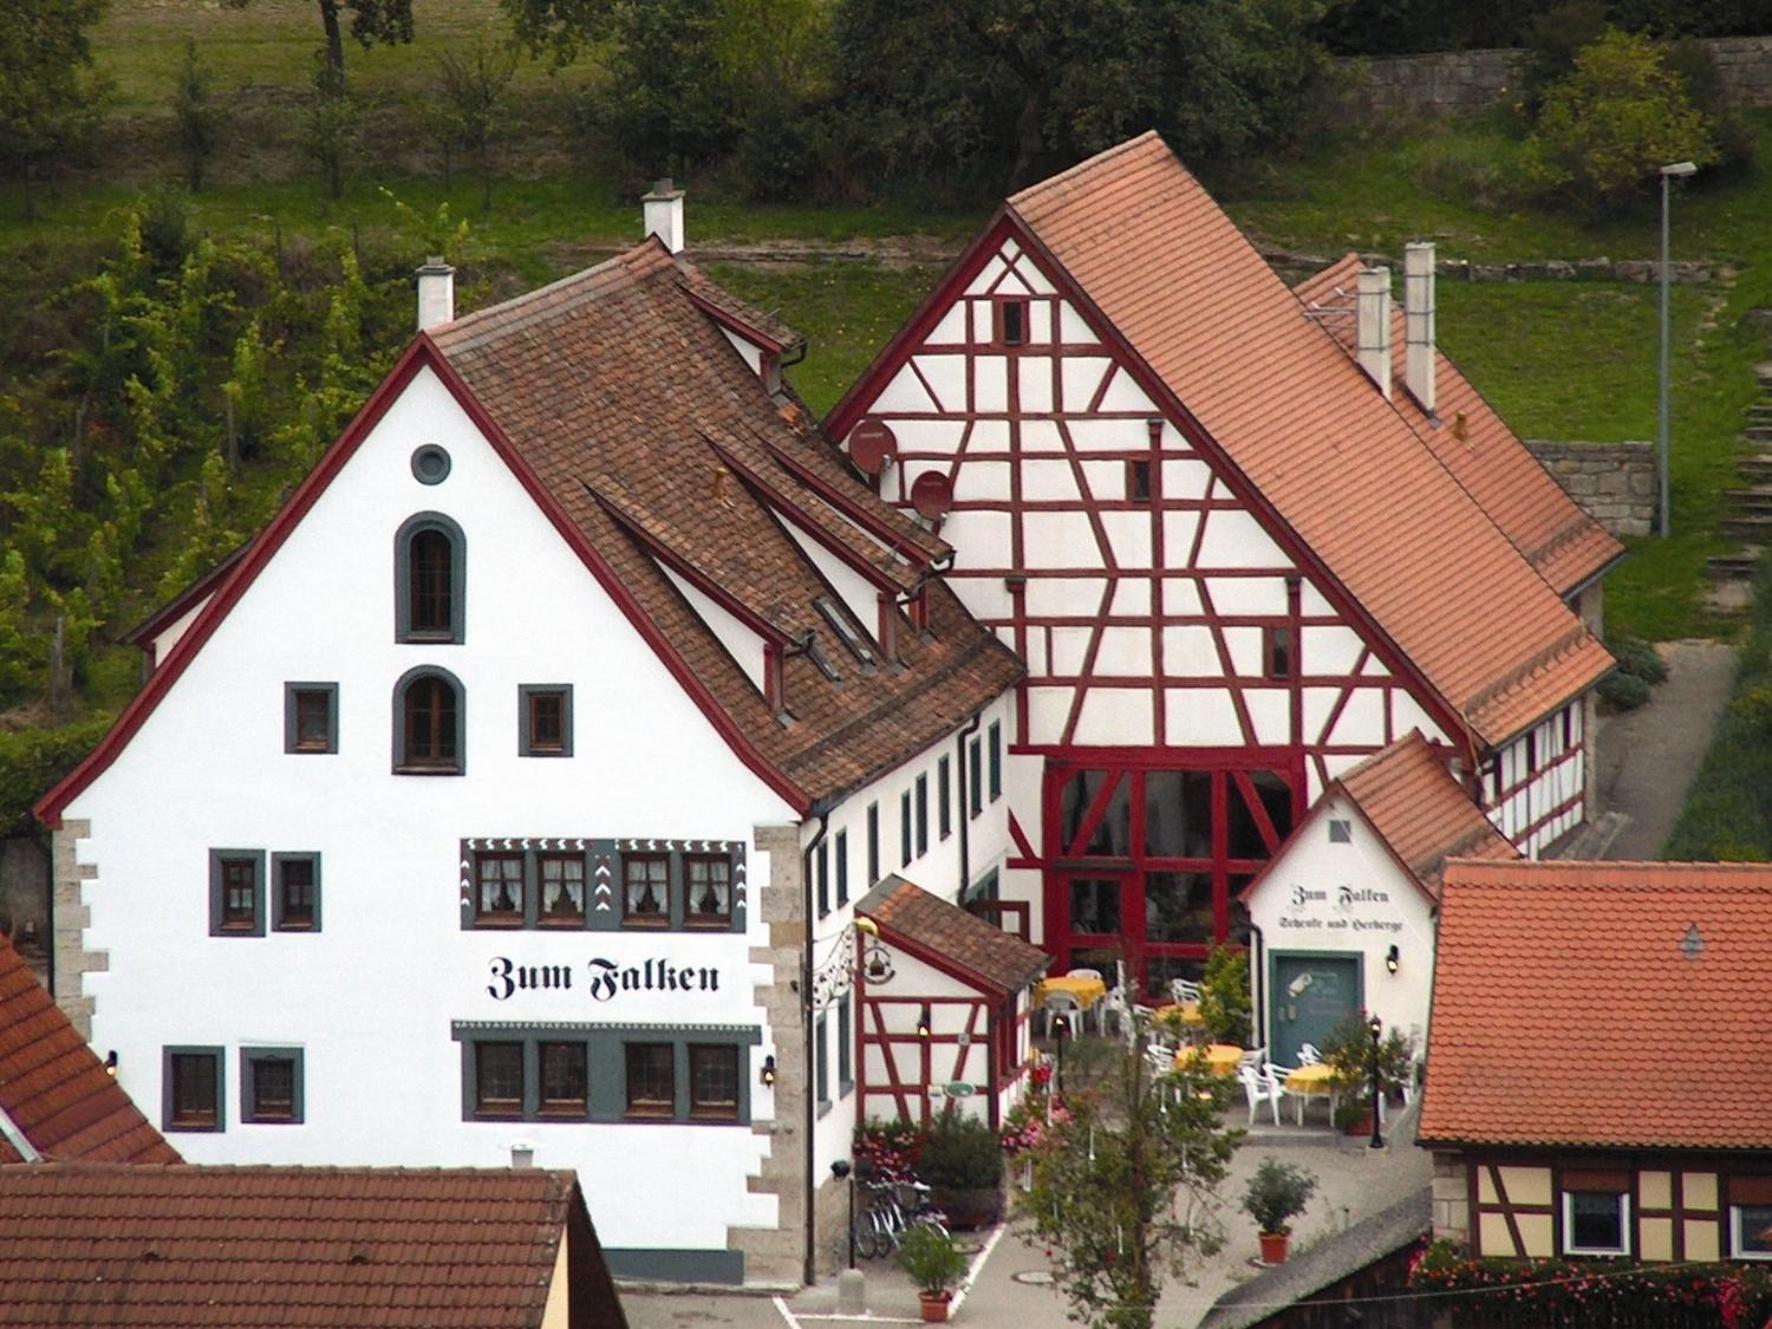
(565, 1079)
(713, 1082)
(562, 885)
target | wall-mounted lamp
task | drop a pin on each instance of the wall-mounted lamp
(111, 1063)
(1392, 958)
(923, 1022)
(768, 1071)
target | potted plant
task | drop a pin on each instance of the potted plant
(1276, 1194)
(963, 1164)
(928, 1255)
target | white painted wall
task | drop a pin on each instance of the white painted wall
(371, 998)
(1291, 918)
(168, 637)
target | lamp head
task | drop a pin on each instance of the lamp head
(1392, 959)
(111, 1063)
(1680, 170)
(768, 1071)
(1375, 1027)
(923, 1022)
(840, 1169)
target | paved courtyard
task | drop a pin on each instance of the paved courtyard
(1354, 1182)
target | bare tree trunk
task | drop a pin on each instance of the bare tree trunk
(58, 679)
(335, 41)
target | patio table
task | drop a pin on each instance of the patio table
(1087, 991)
(1220, 1058)
(1312, 1082)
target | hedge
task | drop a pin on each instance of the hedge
(32, 760)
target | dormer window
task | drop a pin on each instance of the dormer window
(429, 555)
(1012, 322)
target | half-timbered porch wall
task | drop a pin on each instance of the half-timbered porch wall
(1679, 1205)
(1535, 789)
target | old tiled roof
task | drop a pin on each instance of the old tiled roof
(907, 912)
(1547, 526)
(770, 325)
(1192, 298)
(275, 1246)
(645, 425)
(1411, 799)
(1602, 1004)
(54, 1091)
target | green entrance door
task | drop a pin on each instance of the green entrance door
(1309, 995)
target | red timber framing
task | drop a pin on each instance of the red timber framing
(1175, 630)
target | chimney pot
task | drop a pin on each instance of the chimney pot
(662, 213)
(1374, 333)
(436, 293)
(1419, 367)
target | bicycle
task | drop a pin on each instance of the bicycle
(881, 1226)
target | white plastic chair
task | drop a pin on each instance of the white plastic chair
(1259, 1089)
(1308, 1054)
(1252, 1058)
(1063, 1003)
(1162, 1060)
(1115, 1004)
(1183, 992)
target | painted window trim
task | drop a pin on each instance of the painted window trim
(219, 1055)
(922, 787)
(822, 874)
(944, 781)
(602, 853)
(821, 1064)
(1735, 1251)
(841, 853)
(290, 744)
(525, 734)
(458, 569)
(975, 774)
(427, 450)
(873, 843)
(277, 861)
(414, 675)
(216, 857)
(248, 1086)
(1621, 1251)
(995, 735)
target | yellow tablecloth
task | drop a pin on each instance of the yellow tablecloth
(1311, 1080)
(1186, 1013)
(1220, 1058)
(1087, 991)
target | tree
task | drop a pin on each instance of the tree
(49, 106)
(199, 118)
(1124, 1184)
(332, 126)
(474, 87)
(386, 21)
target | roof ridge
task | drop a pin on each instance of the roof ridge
(1389, 751)
(1088, 163)
(456, 328)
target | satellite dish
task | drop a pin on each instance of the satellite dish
(872, 444)
(932, 495)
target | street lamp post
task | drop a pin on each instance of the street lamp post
(841, 1171)
(1375, 1027)
(1060, 1028)
(1668, 174)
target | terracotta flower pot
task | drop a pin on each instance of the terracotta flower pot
(935, 1306)
(1273, 1246)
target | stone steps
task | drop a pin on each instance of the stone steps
(1739, 566)
(1754, 528)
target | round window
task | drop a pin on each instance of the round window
(430, 464)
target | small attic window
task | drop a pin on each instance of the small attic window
(1341, 830)
(1012, 322)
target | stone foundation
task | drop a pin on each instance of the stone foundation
(1614, 483)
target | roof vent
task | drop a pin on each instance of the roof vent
(1375, 326)
(1692, 944)
(662, 213)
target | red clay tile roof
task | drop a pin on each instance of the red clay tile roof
(1200, 307)
(1549, 529)
(321, 1247)
(638, 416)
(907, 912)
(1411, 799)
(769, 324)
(53, 1089)
(1567, 1011)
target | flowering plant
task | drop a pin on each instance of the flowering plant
(888, 1149)
(1027, 1125)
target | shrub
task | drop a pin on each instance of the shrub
(1622, 692)
(32, 760)
(1348, 1050)
(1637, 658)
(1604, 131)
(962, 1153)
(199, 120)
(1277, 1193)
(1224, 996)
(929, 1256)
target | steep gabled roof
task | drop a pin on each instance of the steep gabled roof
(1233, 352)
(1551, 532)
(54, 1091)
(330, 1248)
(1602, 1005)
(941, 932)
(1409, 797)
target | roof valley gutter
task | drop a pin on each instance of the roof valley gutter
(809, 1271)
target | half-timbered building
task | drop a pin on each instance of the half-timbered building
(1595, 1084)
(1232, 556)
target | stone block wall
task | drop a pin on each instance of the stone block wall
(1614, 483)
(1451, 1189)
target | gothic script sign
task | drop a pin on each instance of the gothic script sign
(599, 978)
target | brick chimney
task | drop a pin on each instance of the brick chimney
(662, 210)
(1418, 323)
(1374, 331)
(436, 293)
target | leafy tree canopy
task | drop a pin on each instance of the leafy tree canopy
(388, 22)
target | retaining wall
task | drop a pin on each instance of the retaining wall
(1614, 483)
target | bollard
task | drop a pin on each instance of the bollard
(852, 1292)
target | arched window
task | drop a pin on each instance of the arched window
(428, 723)
(430, 566)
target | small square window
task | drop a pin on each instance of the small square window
(271, 1086)
(562, 890)
(498, 890)
(545, 718)
(1138, 481)
(295, 892)
(646, 891)
(310, 717)
(237, 892)
(1276, 653)
(1341, 831)
(498, 1079)
(1750, 1231)
(192, 1089)
(713, 1082)
(1596, 1223)
(708, 879)
(652, 1080)
(1012, 322)
(564, 1079)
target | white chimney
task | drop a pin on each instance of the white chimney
(436, 293)
(1418, 322)
(1375, 326)
(663, 213)
(522, 1155)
